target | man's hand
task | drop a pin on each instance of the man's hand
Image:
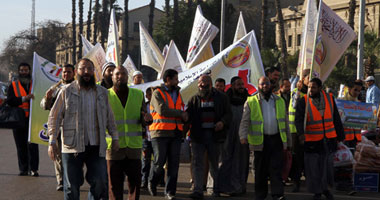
(219, 126)
(148, 117)
(115, 145)
(29, 96)
(185, 116)
(52, 151)
(244, 141)
(301, 139)
(49, 94)
(299, 85)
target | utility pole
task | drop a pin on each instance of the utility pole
(359, 73)
(33, 20)
(223, 2)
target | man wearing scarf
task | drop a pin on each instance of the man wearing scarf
(235, 155)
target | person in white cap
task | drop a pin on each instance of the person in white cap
(373, 92)
(107, 70)
(137, 78)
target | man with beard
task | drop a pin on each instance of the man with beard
(298, 151)
(137, 78)
(285, 91)
(47, 103)
(274, 73)
(320, 134)
(83, 114)
(264, 127)
(166, 108)
(209, 117)
(107, 70)
(128, 105)
(235, 156)
(220, 84)
(19, 95)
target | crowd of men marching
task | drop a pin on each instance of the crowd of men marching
(111, 128)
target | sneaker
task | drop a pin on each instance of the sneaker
(59, 188)
(328, 195)
(152, 190)
(215, 194)
(279, 197)
(169, 196)
(34, 173)
(144, 185)
(317, 197)
(196, 195)
(23, 173)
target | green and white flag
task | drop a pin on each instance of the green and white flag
(44, 75)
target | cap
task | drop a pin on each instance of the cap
(136, 73)
(369, 78)
(106, 65)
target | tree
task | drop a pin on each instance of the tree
(124, 47)
(80, 2)
(104, 23)
(88, 31)
(264, 14)
(167, 8)
(175, 14)
(371, 52)
(74, 38)
(96, 20)
(151, 16)
(351, 13)
(284, 51)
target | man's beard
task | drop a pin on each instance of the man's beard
(204, 93)
(265, 94)
(86, 84)
(67, 81)
(108, 80)
(25, 79)
(120, 86)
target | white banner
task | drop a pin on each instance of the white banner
(241, 31)
(239, 59)
(173, 60)
(308, 34)
(87, 46)
(202, 34)
(165, 50)
(112, 54)
(150, 53)
(130, 66)
(97, 56)
(44, 75)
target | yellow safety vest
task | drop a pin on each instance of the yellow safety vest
(292, 112)
(256, 129)
(127, 118)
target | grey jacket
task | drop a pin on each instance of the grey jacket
(246, 122)
(66, 111)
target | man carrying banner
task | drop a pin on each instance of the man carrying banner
(220, 84)
(128, 106)
(264, 128)
(166, 131)
(107, 70)
(209, 117)
(373, 92)
(83, 114)
(19, 95)
(235, 156)
(47, 102)
(322, 132)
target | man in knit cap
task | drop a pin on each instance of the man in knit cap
(107, 70)
(137, 78)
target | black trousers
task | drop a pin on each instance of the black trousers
(268, 165)
(27, 153)
(298, 159)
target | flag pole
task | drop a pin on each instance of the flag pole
(359, 74)
(222, 25)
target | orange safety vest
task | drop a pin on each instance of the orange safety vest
(351, 133)
(167, 123)
(317, 127)
(20, 92)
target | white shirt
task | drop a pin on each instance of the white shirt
(88, 98)
(268, 109)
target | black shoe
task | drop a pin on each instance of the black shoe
(296, 187)
(215, 194)
(196, 195)
(279, 198)
(144, 185)
(59, 188)
(169, 196)
(317, 197)
(328, 195)
(34, 173)
(23, 173)
(152, 190)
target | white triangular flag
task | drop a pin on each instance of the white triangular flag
(112, 54)
(173, 60)
(150, 53)
(241, 31)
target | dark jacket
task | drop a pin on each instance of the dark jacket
(222, 113)
(318, 145)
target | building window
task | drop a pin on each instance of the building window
(290, 40)
(298, 39)
(136, 27)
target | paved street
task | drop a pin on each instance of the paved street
(13, 187)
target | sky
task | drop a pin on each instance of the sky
(15, 15)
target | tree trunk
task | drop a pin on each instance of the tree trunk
(167, 8)
(96, 21)
(124, 47)
(88, 31)
(104, 22)
(284, 51)
(151, 16)
(80, 2)
(351, 13)
(264, 14)
(189, 5)
(175, 15)
(74, 38)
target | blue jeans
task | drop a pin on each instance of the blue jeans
(147, 157)
(96, 174)
(166, 148)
